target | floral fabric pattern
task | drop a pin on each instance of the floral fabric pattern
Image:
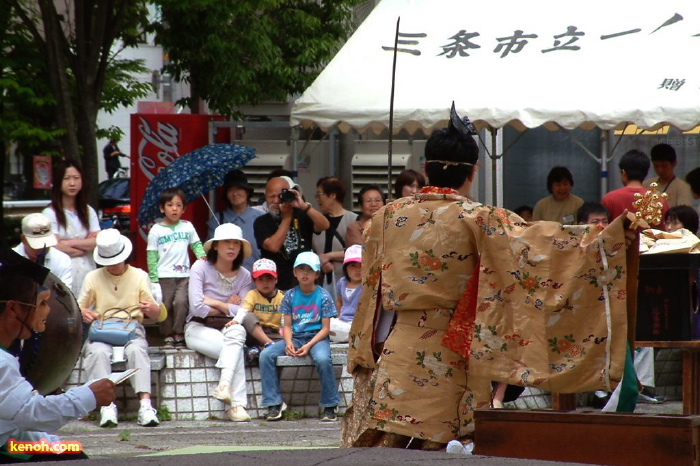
(547, 308)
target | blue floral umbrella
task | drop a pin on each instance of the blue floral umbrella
(196, 173)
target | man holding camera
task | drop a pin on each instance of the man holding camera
(287, 229)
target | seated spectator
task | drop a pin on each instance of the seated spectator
(408, 183)
(592, 213)
(682, 216)
(38, 241)
(348, 294)
(370, 199)
(307, 310)
(217, 288)
(237, 194)
(263, 320)
(525, 212)
(560, 206)
(117, 285)
(24, 413)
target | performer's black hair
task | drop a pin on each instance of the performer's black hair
(452, 144)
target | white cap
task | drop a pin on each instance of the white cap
(36, 228)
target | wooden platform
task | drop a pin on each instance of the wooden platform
(588, 437)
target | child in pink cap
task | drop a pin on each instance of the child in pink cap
(348, 292)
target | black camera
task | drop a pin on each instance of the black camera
(287, 196)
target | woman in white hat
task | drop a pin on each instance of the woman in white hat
(119, 285)
(217, 288)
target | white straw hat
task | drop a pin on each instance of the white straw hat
(111, 247)
(229, 231)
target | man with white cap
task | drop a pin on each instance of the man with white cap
(37, 244)
(118, 285)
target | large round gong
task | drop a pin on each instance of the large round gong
(48, 358)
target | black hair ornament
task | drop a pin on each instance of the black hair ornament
(460, 125)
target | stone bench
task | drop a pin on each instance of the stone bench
(182, 380)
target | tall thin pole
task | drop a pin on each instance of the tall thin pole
(391, 107)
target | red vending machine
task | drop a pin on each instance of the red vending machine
(157, 140)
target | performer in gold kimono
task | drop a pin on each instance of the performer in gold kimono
(545, 306)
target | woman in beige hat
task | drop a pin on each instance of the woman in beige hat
(118, 285)
(217, 288)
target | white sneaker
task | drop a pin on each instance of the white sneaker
(147, 417)
(108, 416)
(238, 414)
(223, 393)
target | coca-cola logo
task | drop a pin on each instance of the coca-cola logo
(156, 149)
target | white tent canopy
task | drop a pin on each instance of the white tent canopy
(573, 64)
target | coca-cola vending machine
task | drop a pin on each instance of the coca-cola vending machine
(157, 140)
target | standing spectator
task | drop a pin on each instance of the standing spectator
(37, 245)
(117, 285)
(24, 413)
(370, 199)
(237, 194)
(308, 309)
(407, 183)
(169, 263)
(73, 221)
(217, 288)
(634, 166)
(663, 158)
(693, 180)
(560, 206)
(278, 172)
(330, 244)
(287, 229)
(111, 154)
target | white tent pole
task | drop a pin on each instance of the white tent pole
(604, 151)
(496, 173)
(295, 146)
(498, 155)
(488, 177)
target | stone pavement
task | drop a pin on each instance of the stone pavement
(305, 442)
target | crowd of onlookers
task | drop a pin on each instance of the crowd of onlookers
(283, 277)
(677, 212)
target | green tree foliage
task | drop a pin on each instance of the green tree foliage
(76, 41)
(249, 51)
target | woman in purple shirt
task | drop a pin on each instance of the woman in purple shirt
(217, 288)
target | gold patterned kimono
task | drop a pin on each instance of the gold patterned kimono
(550, 313)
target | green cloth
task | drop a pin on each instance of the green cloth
(629, 391)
